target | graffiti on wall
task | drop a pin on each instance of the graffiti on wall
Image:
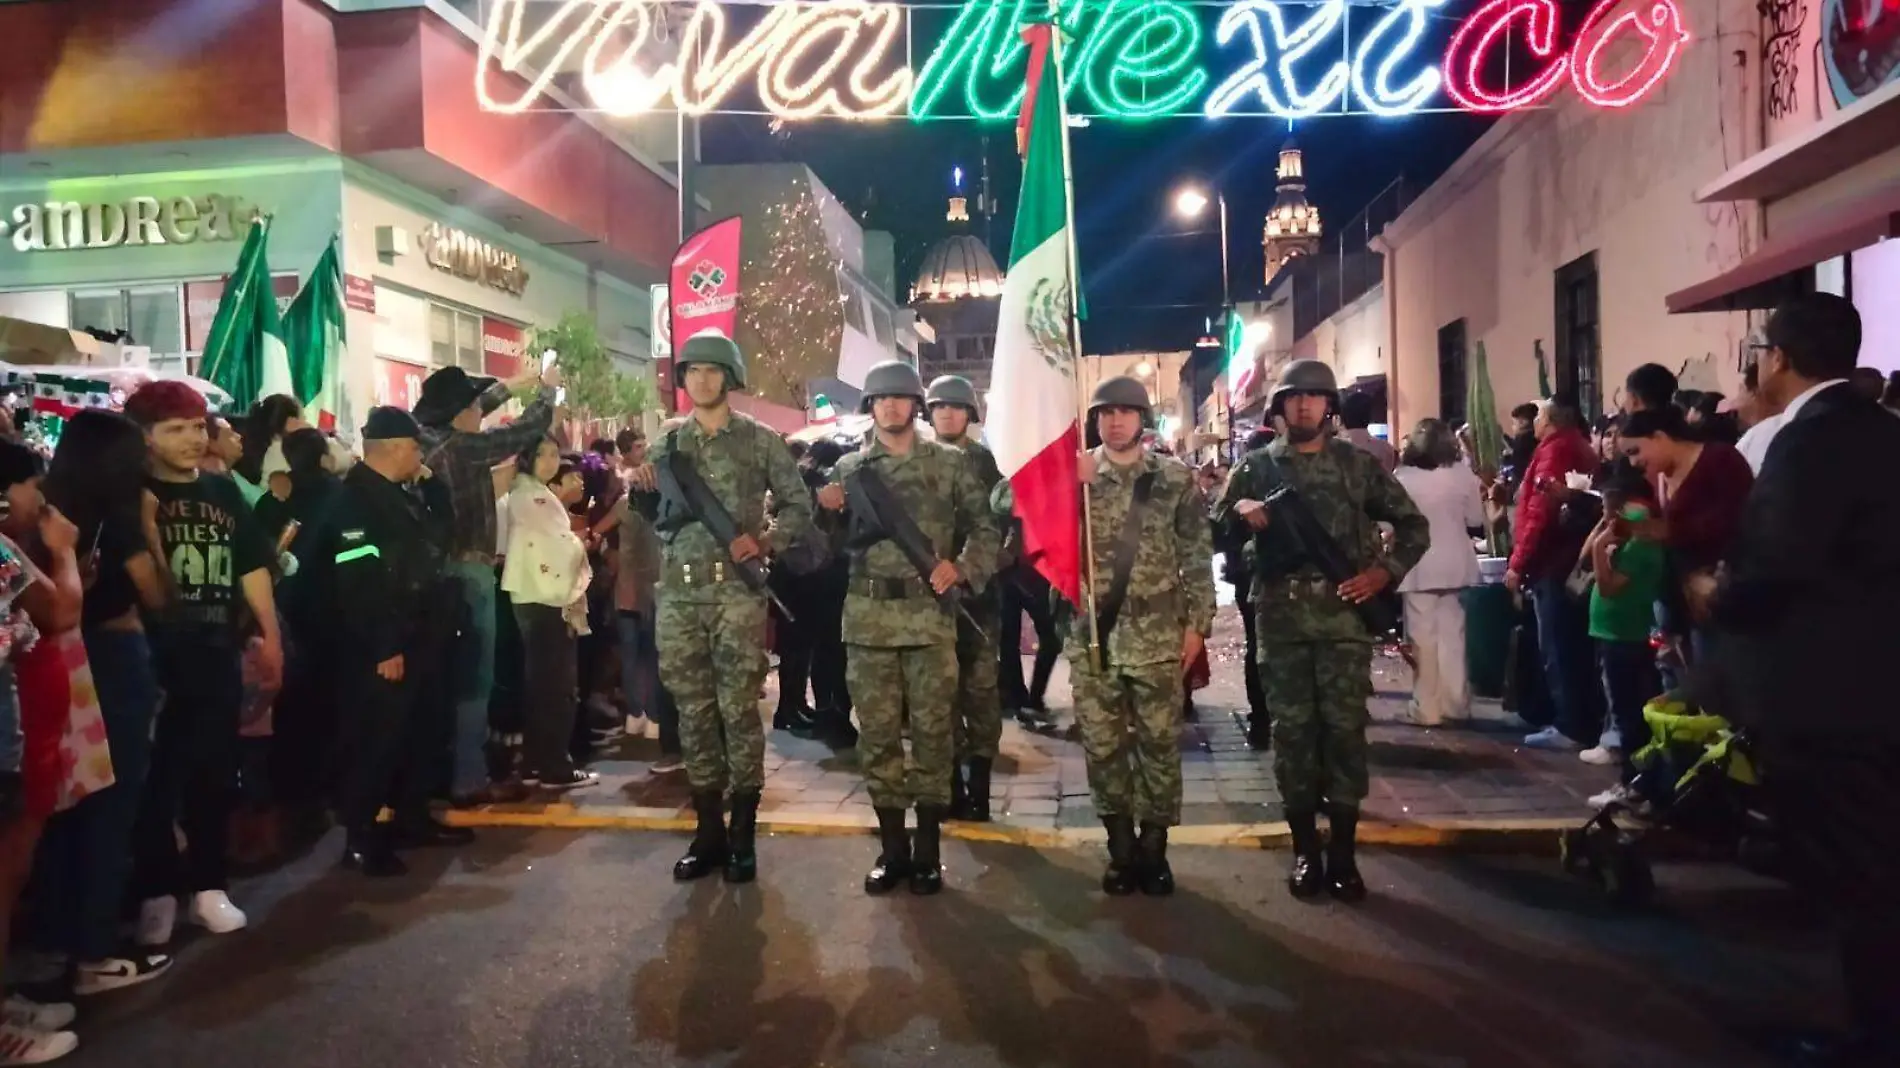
(1860, 47)
(1781, 54)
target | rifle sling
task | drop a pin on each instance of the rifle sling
(895, 523)
(1126, 546)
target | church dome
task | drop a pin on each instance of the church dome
(958, 266)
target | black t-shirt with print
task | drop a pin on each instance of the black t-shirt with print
(212, 540)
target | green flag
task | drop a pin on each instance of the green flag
(245, 354)
(314, 333)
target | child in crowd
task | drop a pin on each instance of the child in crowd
(1629, 574)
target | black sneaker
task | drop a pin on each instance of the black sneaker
(571, 780)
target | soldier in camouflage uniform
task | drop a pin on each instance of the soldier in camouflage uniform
(1315, 653)
(1128, 682)
(710, 626)
(951, 402)
(900, 642)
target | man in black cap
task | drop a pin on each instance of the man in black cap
(460, 455)
(384, 565)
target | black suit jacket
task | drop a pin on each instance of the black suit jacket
(1807, 618)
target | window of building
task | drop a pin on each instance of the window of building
(1579, 334)
(153, 316)
(455, 338)
(1451, 371)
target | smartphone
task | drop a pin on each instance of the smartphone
(548, 356)
(560, 396)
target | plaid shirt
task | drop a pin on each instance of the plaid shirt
(462, 461)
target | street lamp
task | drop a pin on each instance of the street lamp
(1189, 203)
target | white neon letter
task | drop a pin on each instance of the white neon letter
(1377, 94)
(1286, 50)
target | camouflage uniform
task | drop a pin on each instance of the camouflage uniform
(979, 708)
(1315, 656)
(1170, 591)
(901, 650)
(710, 625)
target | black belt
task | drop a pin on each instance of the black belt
(889, 589)
(1146, 604)
(711, 573)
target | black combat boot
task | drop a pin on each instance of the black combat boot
(1151, 860)
(1342, 872)
(959, 796)
(1122, 875)
(710, 849)
(893, 861)
(742, 859)
(979, 790)
(369, 851)
(1308, 876)
(926, 863)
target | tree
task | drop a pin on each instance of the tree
(596, 389)
(791, 318)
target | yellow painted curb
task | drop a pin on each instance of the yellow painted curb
(1517, 835)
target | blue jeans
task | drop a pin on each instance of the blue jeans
(475, 667)
(1629, 677)
(640, 674)
(85, 858)
(1563, 642)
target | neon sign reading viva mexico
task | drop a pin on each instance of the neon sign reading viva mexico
(1123, 60)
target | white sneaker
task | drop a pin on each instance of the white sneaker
(24, 1045)
(1553, 739)
(51, 1016)
(117, 973)
(1601, 755)
(1611, 738)
(157, 917)
(1620, 794)
(213, 911)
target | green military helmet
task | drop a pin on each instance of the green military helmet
(1121, 391)
(1305, 376)
(951, 389)
(892, 378)
(715, 348)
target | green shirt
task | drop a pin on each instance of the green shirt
(1628, 615)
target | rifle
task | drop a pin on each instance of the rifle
(1381, 613)
(877, 514)
(684, 493)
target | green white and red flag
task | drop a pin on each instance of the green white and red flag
(1032, 426)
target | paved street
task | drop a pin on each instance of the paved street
(1467, 775)
(545, 948)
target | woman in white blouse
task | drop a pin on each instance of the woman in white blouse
(546, 575)
(1449, 493)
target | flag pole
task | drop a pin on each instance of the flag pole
(1075, 322)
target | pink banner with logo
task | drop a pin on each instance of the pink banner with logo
(704, 287)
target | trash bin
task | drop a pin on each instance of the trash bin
(1489, 616)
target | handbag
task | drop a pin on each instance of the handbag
(85, 758)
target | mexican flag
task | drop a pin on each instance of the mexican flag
(313, 329)
(1032, 420)
(245, 354)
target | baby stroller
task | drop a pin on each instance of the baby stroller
(1697, 777)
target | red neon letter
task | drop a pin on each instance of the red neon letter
(1659, 22)
(1473, 42)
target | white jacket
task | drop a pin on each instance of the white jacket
(547, 562)
(1450, 498)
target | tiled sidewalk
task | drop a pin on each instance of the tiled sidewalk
(1450, 778)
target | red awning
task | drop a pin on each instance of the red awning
(1836, 232)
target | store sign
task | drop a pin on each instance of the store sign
(1125, 60)
(451, 250)
(399, 384)
(56, 226)
(503, 344)
(359, 293)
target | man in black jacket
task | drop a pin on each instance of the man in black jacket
(1804, 619)
(386, 569)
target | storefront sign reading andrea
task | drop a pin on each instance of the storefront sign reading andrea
(55, 226)
(453, 251)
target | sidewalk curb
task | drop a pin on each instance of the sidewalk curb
(1464, 836)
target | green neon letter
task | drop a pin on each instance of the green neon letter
(1152, 67)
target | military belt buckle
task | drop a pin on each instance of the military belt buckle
(702, 574)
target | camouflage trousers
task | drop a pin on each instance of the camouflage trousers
(979, 707)
(712, 660)
(1318, 692)
(1130, 721)
(883, 683)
